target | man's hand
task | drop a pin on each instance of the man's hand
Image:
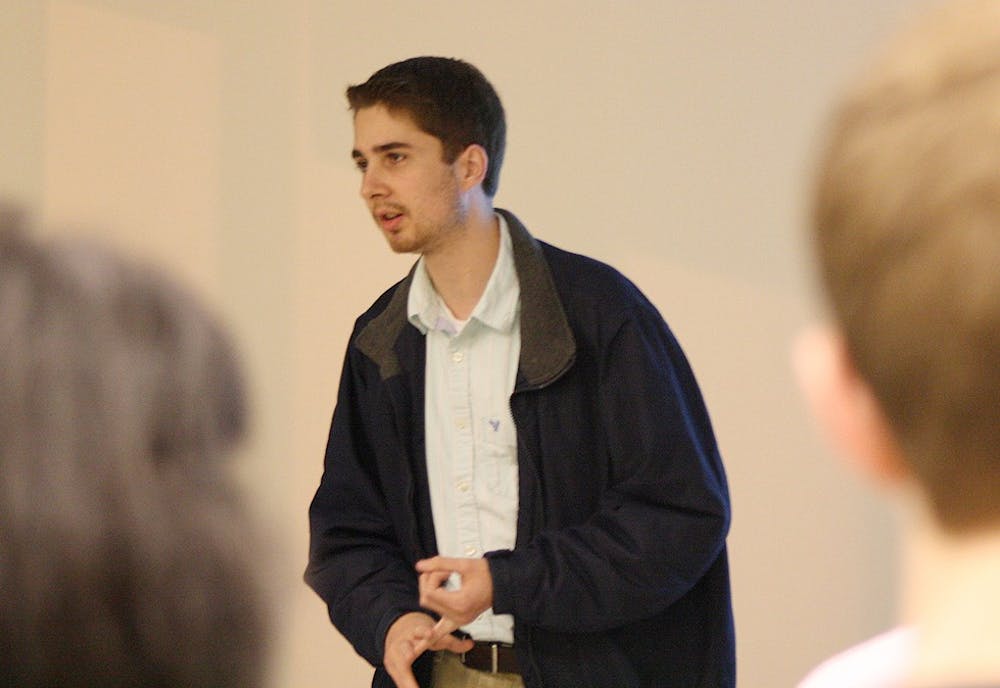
(459, 606)
(409, 637)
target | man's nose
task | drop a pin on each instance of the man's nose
(372, 185)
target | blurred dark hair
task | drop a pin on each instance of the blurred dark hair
(126, 553)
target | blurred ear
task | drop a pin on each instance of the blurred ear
(845, 406)
(471, 165)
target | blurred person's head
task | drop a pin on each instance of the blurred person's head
(125, 555)
(907, 229)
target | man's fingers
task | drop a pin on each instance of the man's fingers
(404, 654)
(425, 565)
(406, 641)
(400, 670)
(403, 679)
(433, 580)
(422, 645)
(442, 564)
(438, 600)
(456, 645)
(442, 628)
(422, 639)
(434, 595)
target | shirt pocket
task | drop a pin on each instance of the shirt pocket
(497, 453)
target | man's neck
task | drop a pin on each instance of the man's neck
(461, 268)
(952, 596)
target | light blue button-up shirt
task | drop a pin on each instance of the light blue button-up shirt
(471, 438)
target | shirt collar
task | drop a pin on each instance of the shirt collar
(497, 307)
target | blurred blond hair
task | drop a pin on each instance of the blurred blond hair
(907, 227)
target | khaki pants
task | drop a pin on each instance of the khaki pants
(449, 672)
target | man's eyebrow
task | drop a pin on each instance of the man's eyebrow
(381, 148)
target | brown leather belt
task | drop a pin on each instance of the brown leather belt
(491, 657)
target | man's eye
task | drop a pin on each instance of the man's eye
(362, 165)
(395, 157)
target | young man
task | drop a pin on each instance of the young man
(519, 448)
(907, 379)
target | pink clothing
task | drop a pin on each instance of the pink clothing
(881, 662)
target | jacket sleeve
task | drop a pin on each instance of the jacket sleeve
(356, 564)
(661, 521)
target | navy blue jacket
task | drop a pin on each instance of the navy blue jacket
(619, 575)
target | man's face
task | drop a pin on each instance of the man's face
(412, 193)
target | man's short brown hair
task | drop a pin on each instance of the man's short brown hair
(448, 99)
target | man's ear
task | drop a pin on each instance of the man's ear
(845, 406)
(471, 166)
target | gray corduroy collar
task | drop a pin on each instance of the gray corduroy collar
(547, 344)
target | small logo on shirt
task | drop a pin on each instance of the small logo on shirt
(494, 423)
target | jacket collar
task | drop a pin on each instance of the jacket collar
(547, 344)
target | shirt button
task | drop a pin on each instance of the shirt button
(460, 423)
(471, 551)
(463, 486)
(457, 356)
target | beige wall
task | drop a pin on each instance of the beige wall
(670, 138)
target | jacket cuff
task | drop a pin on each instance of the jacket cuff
(503, 588)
